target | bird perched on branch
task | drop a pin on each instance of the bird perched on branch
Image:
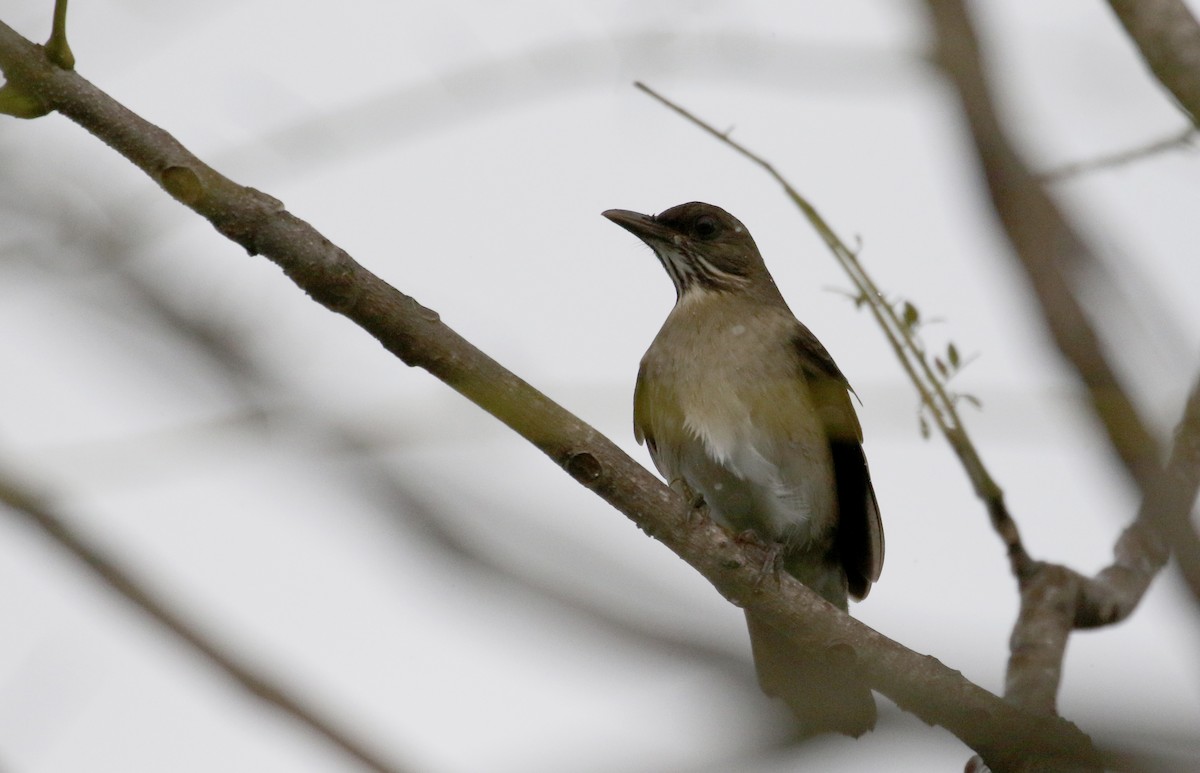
(742, 405)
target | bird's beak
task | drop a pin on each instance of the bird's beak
(644, 227)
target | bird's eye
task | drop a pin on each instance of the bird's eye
(705, 227)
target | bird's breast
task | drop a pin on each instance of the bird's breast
(729, 413)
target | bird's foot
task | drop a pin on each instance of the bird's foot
(772, 563)
(695, 500)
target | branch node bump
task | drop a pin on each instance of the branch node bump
(426, 313)
(583, 467)
(842, 655)
(20, 104)
(182, 183)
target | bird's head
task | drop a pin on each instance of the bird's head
(702, 247)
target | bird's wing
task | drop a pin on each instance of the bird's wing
(649, 406)
(641, 411)
(860, 531)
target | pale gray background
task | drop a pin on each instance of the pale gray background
(464, 150)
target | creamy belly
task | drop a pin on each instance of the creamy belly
(738, 426)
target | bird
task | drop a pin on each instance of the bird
(742, 408)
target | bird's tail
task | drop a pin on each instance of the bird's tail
(822, 696)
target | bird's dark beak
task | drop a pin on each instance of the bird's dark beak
(644, 227)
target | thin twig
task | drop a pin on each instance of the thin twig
(57, 47)
(1120, 158)
(107, 569)
(1163, 519)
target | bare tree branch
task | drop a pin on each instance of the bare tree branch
(1168, 37)
(109, 570)
(1005, 736)
(1164, 517)
(1074, 169)
(1039, 639)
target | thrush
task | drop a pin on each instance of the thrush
(739, 403)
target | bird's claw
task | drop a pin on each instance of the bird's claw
(772, 563)
(695, 500)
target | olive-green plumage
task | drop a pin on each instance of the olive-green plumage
(739, 401)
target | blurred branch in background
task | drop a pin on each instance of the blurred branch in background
(17, 499)
(467, 93)
(1178, 140)
(1046, 244)
(1168, 37)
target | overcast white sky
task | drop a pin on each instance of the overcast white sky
(463, 151)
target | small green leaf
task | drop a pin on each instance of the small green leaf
(924, 427)
(910, 315)
(973, 400)
(952, 355)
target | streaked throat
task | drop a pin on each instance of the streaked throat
(690, 270)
